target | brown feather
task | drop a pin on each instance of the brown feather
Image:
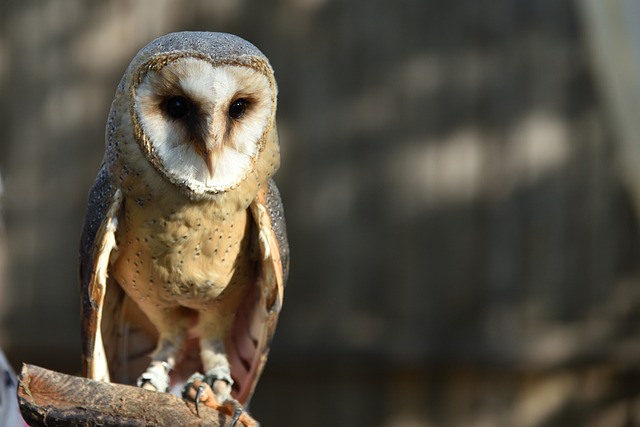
(93, 360)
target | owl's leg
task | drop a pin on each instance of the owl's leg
(217, 372)
(163, 360)
(217, 375)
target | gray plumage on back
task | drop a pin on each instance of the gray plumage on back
(276, 213)
(97, 204)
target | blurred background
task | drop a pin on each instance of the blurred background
(462, 184)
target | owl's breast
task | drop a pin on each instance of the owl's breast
(182, 254)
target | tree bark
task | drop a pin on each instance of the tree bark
(52, 399)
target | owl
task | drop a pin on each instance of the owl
(184, 255)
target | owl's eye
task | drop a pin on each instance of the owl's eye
(176, 107)
(237, 108)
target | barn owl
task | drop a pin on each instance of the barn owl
(184, 254)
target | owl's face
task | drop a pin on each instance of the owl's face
(202, 124)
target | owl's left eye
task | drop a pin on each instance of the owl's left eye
(237, 108)
(176, 107)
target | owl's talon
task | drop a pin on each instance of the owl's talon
(156, 377)
(236, 416)
(199, 393)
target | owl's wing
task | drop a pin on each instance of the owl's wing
(96, 245)
(248, 344)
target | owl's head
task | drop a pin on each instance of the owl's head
(202, 106)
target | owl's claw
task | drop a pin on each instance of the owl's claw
(203, 392)
(236, 415)
(198, 390)
(199, 393)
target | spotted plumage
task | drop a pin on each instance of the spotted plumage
(184, 255)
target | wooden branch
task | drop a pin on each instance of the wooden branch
(52, 399)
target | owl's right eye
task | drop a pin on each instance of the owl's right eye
(176, 107)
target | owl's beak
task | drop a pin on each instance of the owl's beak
(208, 155)
(208, 159)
